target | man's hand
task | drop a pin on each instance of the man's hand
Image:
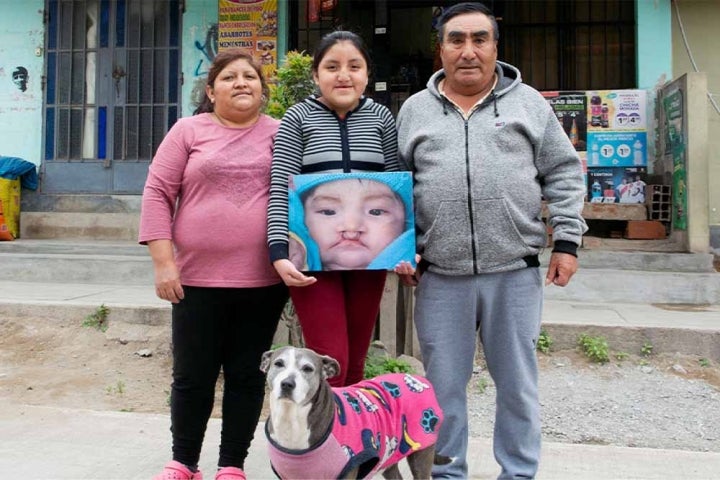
(561, 269)
(291, 275)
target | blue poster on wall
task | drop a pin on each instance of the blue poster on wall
(617, 149)
(616, 185)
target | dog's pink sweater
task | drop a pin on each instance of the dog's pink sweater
(377, 423)
(207, 190)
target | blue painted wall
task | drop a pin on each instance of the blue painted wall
(654, 43)
(21, 45)
(198, 49)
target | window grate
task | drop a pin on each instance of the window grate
(112, 78)
(556, 44)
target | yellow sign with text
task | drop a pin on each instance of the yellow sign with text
(251, 25)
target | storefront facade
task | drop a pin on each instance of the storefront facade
(103, 80)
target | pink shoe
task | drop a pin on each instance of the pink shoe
(177, 471)
(230, 473)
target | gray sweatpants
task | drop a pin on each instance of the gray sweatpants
(506, 307)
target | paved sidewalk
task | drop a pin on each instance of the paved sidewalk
(689, 329)
(25, 296)
(45, 443)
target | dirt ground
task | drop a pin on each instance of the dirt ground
(128, 367)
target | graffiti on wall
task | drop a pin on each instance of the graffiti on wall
(20, 78)
(208, 49)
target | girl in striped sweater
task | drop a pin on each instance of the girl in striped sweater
(338, 130)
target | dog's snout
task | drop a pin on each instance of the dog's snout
(287, 385)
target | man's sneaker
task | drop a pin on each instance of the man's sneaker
(230, 473)
(177, 471)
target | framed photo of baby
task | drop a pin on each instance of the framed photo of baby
(351, 221)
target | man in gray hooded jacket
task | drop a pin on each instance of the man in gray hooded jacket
(485, 149)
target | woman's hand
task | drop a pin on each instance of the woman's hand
(404, 268)
(167, 282)
(408, 275)
(291, 275)
(167, 275)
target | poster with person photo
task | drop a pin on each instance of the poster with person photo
(351, 221)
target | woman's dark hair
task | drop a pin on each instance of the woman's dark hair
(461, 9)
(335, 37)
(222, 60)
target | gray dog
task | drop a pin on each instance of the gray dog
(316, 431)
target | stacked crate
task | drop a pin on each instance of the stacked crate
(659, 202)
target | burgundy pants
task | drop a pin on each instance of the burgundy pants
(337, 315)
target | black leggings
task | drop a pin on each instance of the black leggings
(213, 328)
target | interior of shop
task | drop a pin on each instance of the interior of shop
(556, 44)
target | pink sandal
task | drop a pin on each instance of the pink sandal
(177, 471)
(230, 473)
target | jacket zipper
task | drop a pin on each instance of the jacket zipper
(344, 142)
(469, 195)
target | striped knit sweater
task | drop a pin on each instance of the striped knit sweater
(313, 139)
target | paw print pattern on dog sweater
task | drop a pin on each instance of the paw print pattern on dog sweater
(378, 422)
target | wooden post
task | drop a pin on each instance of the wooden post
(387, 324)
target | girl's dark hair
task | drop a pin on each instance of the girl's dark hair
(222, 60)
(339, 36)
(463, 8)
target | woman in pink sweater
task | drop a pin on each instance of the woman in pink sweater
(204, 221)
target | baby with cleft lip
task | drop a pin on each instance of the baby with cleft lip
(350, 223)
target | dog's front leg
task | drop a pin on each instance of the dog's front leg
(421, 463)
(392, 473)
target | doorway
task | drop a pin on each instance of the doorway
(112, 89)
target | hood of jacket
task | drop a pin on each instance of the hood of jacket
(508, 77)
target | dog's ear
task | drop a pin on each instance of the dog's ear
(330, 366)
(265, 361)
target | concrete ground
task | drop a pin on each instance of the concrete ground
(43, 443)
(57, 443)
(38, 443)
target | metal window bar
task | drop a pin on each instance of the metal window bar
(78, 32)
(592, 41)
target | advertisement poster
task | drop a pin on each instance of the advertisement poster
(673, 106)
(583, 161)
(351, 221)
(616, 185)
(570, 109)
(251, 25)
(617, 128)
(617, 110)
(617, 149)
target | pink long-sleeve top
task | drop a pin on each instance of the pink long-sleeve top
(207, 191)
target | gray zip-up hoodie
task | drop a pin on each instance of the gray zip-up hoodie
(479, 181)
